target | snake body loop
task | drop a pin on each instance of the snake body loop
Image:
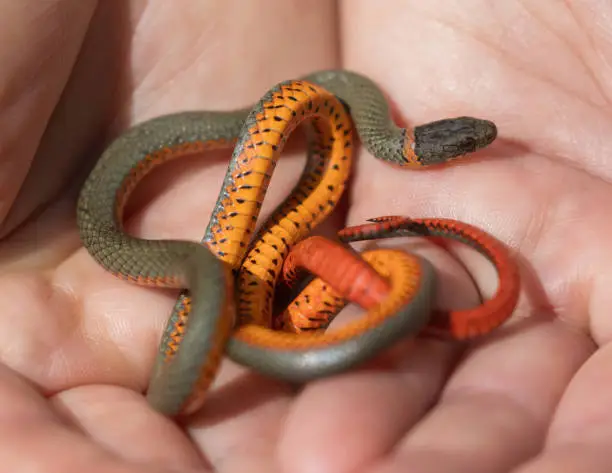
(458, 324)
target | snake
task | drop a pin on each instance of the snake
(225, 300)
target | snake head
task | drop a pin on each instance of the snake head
(440, 141)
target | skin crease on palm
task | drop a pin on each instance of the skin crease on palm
(77, 345)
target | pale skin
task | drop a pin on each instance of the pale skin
(76, 345)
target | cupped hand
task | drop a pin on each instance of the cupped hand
(77, 345)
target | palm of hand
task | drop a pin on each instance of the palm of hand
(78, 346)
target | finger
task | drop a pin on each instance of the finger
(120, 422)
(241, 423)
(580, 436)
(348, 421)
(35, 438)
(496, 408)
(78, 325)
(39, 45)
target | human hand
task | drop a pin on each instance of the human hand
(78, 347)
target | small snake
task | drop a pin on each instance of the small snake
(199, 329)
